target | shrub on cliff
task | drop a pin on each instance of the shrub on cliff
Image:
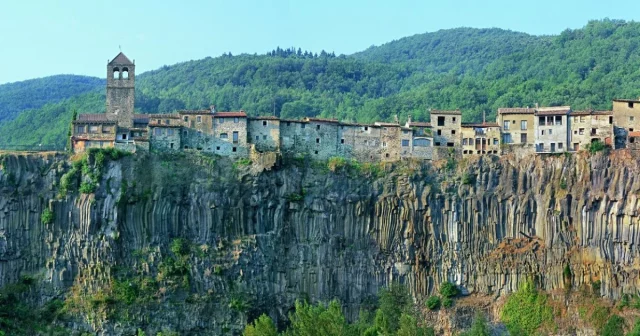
(449, 290)
(479, 327)
(613, 327)
(47, 216)
(526, 311)
(596, 146)
(433, 302)
(336, 163)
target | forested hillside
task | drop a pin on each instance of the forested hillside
(474, 70)
(34, 93)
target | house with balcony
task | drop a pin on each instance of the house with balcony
(480, 138)
(552, 129)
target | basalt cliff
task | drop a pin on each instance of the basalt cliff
(199, 245)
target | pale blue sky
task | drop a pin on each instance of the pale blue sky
(47, 37)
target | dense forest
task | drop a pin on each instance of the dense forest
(475, 70)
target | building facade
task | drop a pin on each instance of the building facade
(552, 129)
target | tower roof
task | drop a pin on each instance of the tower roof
(121, 59)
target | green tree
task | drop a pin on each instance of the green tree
(262, 326)
(479, 326)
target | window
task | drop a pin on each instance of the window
(303, 125)
(506, 125)
(550, 132)
(405, 132)
(440, 121)
(439, 132)
(523, 138)
(610, 120)
(264, 137)
(365, 142)
(632, 140)
(157, 131)
(436, 144)
(630, 104)
(234, 149)
(166, 121)
(594, 131)
(464, 141)
(236, 120)
(558, 120)
(124, 136)
(453, 132)
(171, 145)
(541, 121)
(186, 118)
(523, 125)
(199, 119)
(224, 136)
(384, 144)
(158, 121)
(125, 73)
(366, 128)
(220, 120)
(581, 119)
(116, 73)
(506, 138)
(235, 137)
(264, 123)
(422, 143)
(632, 118)
(79, 129)
(581, 131)
(288, 123)
(317, 140)
(217, 147)
(185, 133)
(107, 129)
(200, 134)
(257, 137)
(315, 152)
(405, 143)
(342, 140)
(449, 144)
(495, 141)
(170, 131)
(542, 132)
(559, 145)
(317, 126)
(453, 120)
(93, 129)
(386, 155)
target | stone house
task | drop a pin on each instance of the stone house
(264, 133)
(480, 138)
(165, 132)
(362, 142)
(316, 137)
(229, 132)
(421, 143)
(589, 126)
(446, 128)
(552, 129)
(390, 141)
(626, 119)
(93, 130)
(517, 125)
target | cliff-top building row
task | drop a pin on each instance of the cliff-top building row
(536, 129)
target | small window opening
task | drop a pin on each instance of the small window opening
(264, 123)
(341, 141)
(317, 140)
(171, 145)
(630, 104)
(125, 73)
(315, 152)
(453, 132)
(366, 128)
(234, 149)
(116, 73)
(317, 126)
(217, 148)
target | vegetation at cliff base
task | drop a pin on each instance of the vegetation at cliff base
(394, 315)
(526, 311)
(475, 70)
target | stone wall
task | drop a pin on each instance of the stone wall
(121, 95)
(264, 133)
(586, 128)
(446, 128)
(552, 134)
(165, 137)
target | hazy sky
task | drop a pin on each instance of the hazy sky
(41, 38)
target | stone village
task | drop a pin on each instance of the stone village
(541, 130)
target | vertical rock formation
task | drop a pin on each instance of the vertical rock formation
(259, 241)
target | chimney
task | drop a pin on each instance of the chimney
(395, 118)
(409, 119)
(212, 108)
(537, 106)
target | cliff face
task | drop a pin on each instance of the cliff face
(254, 242)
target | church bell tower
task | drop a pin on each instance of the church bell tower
(121, 78)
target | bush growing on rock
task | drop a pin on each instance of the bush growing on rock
(47, 216)
(526, 311)
(433, 302)
(613, 327)
(449, 290)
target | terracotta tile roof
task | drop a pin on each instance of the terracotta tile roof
(419, 124)
(386, 124)
(94, 118)
(240, 114)
(140, 118)
(326, 120)
(121, 59)
(634, 134)
(194, 112)
(478, 125)
(164, 116)
(626, 100)
(264, 118)
(591, 112)
(346, 123)
(515, 110)
(451, 112)
(556, 110)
